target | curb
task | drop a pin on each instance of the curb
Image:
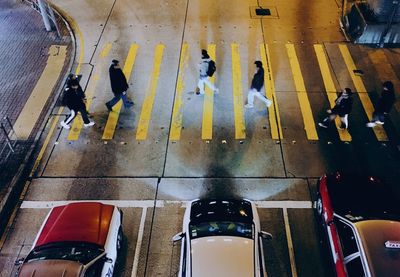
(20, 182)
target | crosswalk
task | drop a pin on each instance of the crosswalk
(238, 92)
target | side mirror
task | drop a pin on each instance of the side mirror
(265, 235)
(178, 237)
(19, 261)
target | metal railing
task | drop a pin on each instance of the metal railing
(8, 139)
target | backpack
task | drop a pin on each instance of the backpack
(211, 68)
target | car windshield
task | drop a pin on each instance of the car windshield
(221, 228)
(78, 252)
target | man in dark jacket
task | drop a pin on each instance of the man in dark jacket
(256, 86)
(342, 108)
(385, 104)
(119, 86)
(73, 99)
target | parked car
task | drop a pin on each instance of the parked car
(361, 219)
(221, 238)
(78, 239)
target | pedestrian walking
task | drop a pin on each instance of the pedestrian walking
(385, 104)
(73, 99)
(342, 108)
(207, 68)
(256, 85)
(119, 86)
(70, 80)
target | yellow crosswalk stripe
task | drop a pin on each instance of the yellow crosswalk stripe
(177, 113)
(329, 86)
(240, 129)
(114, 114)
(309, 124)
(208, 105)
(384, 69)
(147, 107)
(362, 91)
(78, 122)
(273, 111)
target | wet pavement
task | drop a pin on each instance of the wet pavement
(174, 146)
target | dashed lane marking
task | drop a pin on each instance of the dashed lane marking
(273, 111)
(78, 122)
(305, 108)
(208, 105)
(329, 87)
(240, 129)
(362, 91)
(177, 112)
(114, 114)
(147, 108)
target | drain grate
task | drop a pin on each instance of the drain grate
(258, 12)
(263, 12)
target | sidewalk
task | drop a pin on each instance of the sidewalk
(24, 53)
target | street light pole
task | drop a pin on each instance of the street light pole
(43, 12)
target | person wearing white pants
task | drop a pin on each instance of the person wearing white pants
(204, 80)
(256, 86)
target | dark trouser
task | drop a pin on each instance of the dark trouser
(343, 119)
(378, 116)
(118, 97)
(74, 112)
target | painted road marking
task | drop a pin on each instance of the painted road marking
(309, 124)
(208, 105)
(161, 203)
(147, 108)
(240, 127)
(114, 114)
(384, 69)
(139, 243)
(177, 112)
(78, 122)
(290, 243)
(41, 92)
(362, 91)
(329, 87)
(273, 111)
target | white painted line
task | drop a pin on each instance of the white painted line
(290, 243)
(139, 243)
(284, 204)
(162, 203)
(119, 203)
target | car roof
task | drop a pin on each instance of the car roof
(222, 256)
(79, 222)
(216, 210)
(52, 268)
(361, 197)
(374, 234)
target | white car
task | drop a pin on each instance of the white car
(76, 240)
(221, 238)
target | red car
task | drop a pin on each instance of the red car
(79, 239)
(361, 219)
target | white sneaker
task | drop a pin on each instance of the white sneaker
(65, 125)
(269, 103)
(379, 122)
(371, 124)
(248, 106)
(91, 123)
